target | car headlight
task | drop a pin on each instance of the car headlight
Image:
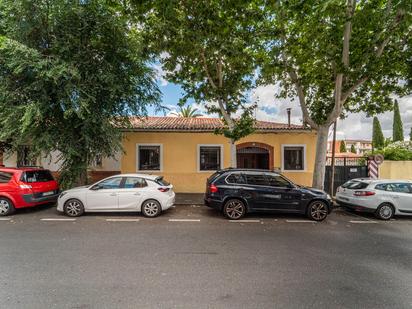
(62, 194)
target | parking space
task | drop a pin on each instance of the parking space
(195, 214)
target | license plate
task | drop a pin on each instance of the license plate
(48, 193)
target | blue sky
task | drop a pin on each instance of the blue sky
(356, 126)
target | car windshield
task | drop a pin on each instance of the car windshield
(36, 176)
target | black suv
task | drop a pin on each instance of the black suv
(236, 192)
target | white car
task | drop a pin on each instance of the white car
(383, 197)
(148, 194)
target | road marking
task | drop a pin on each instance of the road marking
(57, 219)
(358, 221)
(123, 220)
(300, 221)
(245, 221)
(184, 220)
(5, 219)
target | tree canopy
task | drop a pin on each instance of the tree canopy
(336, 57)
(207, 48)
(70, 71)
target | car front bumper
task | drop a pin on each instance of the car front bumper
(355, 206)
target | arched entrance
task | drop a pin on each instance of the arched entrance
(254, 155)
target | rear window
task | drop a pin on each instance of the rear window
(36, 176)
(236, 178)
(5, 177)
(214, 176)
(354, 184)
(161, 181)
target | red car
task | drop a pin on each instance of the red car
(26, 187)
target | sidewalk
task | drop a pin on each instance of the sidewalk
(189, 199)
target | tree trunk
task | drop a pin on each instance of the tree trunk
(320, 160)
(233, 162)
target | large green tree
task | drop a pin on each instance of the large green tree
(206, 47)
(378, 140)
(70, 73)
(397, 126)
(335, 57)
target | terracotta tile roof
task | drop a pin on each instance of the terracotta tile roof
(199, 124)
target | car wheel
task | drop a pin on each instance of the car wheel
(73, 208)
(385, 212)
(6, 207)
(151, 209)
(234, 209)
(317, 210)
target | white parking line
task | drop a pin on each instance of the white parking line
(184, 220)
(245, 221)
(300, 221)
(5, 219)
(123, 220)
(359, 221)
(57, 219)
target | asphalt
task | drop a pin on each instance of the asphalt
(191, 257)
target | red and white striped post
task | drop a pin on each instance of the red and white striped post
(373, 163)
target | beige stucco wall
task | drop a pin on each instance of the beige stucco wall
(396, 170)
(180, 158)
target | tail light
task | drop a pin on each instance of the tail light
(163, 189)
(213, 188)
(364, 193)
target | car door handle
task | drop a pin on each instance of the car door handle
(113, 194)
(137, 194)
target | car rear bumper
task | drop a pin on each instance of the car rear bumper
(212, 203)
(169, 202)
(32, 200)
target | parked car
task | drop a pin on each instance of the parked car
(26, 187)
(148, 194)
(385, 198)
(236, 192)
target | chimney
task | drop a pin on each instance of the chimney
(288, 110)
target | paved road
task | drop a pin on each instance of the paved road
(192, 258)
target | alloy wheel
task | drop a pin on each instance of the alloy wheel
(235, 209)
(151, 209)
(385, 212)
(318, 211)
(4, 207)
(73, 208)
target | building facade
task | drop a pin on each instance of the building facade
(186, 151)
(361, 146)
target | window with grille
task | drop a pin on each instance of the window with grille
(149, 157)
(293, 158)
(210, 158)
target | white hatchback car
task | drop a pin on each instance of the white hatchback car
(383, 197)
(148, 194)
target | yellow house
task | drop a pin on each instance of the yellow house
(186, 151)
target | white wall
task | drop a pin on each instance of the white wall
(50, 162)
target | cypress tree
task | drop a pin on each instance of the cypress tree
(378, 141)
(410, 135)
(397, 133)
(342, 146)
(352, 149)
